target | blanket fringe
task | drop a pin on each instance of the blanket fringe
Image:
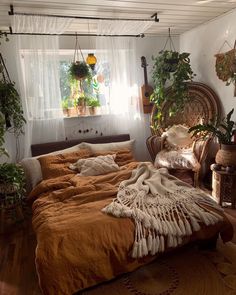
(161, 220)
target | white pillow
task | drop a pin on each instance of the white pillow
(72, 149)
(112, 146)
(32, 171)
(180, 159)
(95, 165)
(178, 137)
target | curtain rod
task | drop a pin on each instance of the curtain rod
(153, 17)
(72, 34)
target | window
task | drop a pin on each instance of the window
(98, 89)
(74, 92)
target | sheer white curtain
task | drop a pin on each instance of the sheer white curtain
(124, 101)
(38, 69)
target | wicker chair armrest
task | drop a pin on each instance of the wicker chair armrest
(201, 148)
(154, 145)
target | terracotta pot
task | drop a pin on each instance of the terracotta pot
(7, 188)
(81, 109)
(66, 112)
(72, 112)
(92, 110)
(226, 155)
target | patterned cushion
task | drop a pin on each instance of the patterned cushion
(96, 165)
(177, 137)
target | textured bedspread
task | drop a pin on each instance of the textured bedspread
(78, 246)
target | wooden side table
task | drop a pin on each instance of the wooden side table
(224, 187)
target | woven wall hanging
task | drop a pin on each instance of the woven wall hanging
(226, 66)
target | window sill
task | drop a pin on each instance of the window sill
(84, 116)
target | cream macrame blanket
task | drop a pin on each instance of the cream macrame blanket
(163, 208)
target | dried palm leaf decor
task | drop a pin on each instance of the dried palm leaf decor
(226, 66)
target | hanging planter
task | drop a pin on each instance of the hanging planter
(171, 69)
(226, 67)
(79, 70)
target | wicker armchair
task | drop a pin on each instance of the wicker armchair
(203, 106)
(200, 149)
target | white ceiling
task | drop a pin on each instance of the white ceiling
(178, 15)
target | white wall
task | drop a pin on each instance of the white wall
(203, 43)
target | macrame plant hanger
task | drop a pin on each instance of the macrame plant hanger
(169, 39)
(77, 49)
(76, 59)
(3, 70)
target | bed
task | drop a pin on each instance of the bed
(79, 246)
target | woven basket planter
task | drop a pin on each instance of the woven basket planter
(226, 156)
(7, 188)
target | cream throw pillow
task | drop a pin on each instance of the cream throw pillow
(32, 171)
(112, 146)
(95, 165)
(180, 159)
(177, 137)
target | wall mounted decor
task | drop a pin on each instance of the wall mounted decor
(226, 66)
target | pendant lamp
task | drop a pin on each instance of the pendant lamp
(91, 59)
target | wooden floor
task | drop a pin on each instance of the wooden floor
(17, 268)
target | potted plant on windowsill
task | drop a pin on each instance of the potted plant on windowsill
(223, 131)
(68, 107)
(93, 104)
(80, 103)
(171, 69)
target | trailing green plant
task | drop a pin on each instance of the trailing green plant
(80, 70)
(171, 69)
(12, 174)
(223, 130)
(3, 35)
(93, 102)
(11, 112)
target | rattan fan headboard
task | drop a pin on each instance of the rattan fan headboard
(203, 106)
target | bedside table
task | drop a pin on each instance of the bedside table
(224, 187)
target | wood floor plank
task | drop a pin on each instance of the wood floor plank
(17, 255)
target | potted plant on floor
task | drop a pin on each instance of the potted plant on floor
(12, 183)
(171, 69)
(223, 130)
(93, 104)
